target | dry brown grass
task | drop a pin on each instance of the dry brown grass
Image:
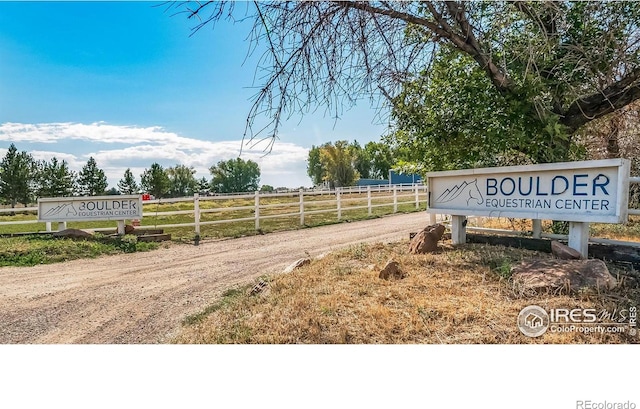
(629, 231)
(456, 296)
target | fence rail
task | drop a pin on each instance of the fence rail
(337, 201)
(303, 203)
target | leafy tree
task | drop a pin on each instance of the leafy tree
(373, 161)
(562, 64)
(267, 188)
(127, 185)
(92, 181)
(55, 179)
(112, 192)
(338, 162)
(182, 181)
(155, 181)
(381, 159)
(235, 175)
(204, 186)
(361, 160)
(314, 166)
(438, 126)
(16, 170)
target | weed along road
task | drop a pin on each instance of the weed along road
(143, 297)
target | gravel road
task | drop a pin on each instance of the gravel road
(143, 297)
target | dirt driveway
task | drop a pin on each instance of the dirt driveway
(143, 297)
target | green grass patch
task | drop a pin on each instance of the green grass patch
(229, 297)
(33, 250)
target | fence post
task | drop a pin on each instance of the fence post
(196, 216)
(301, 207)
(369, 199)
(417, 197)
(339, 204)
(48, 224)
(257, 209)
(395, 199)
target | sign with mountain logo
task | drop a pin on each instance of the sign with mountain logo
(589, 191)
(59, 209)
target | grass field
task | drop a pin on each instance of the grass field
(458, 295)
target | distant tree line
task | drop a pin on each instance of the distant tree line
(24, 179)
(342, 163)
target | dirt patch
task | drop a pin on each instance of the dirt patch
(143, 297)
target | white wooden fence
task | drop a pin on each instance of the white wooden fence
(338, 201)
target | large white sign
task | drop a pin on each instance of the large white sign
(59, 209)
(591, 191)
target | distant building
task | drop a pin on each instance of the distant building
(396, 179)
(404, 178)
(372, 182)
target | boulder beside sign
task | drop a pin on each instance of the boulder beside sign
(59, 209)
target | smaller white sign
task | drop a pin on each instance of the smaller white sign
(589, 191)
(60, 209)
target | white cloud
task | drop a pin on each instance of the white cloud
(283, 166)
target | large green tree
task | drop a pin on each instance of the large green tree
(128, 185)
(563, 64)
(155, 181)
(235, 175)
(55, 179)
(314, 166)
(182, 181)
(381, 159)
(204, 186)
(338, 162)
(453, 117)
(92, 181)
(16, 176)
(342, 163)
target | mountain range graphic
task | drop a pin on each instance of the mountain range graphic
(64, 209)
(468, 190)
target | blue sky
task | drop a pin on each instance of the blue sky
(126, 83)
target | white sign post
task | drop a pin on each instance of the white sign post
(578, 192)
(116, 207)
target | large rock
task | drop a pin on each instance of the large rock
(392, 271)
(572, 275)
(73, 234)
(564, 252)
(427, 240)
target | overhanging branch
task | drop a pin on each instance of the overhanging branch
(609, 100)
